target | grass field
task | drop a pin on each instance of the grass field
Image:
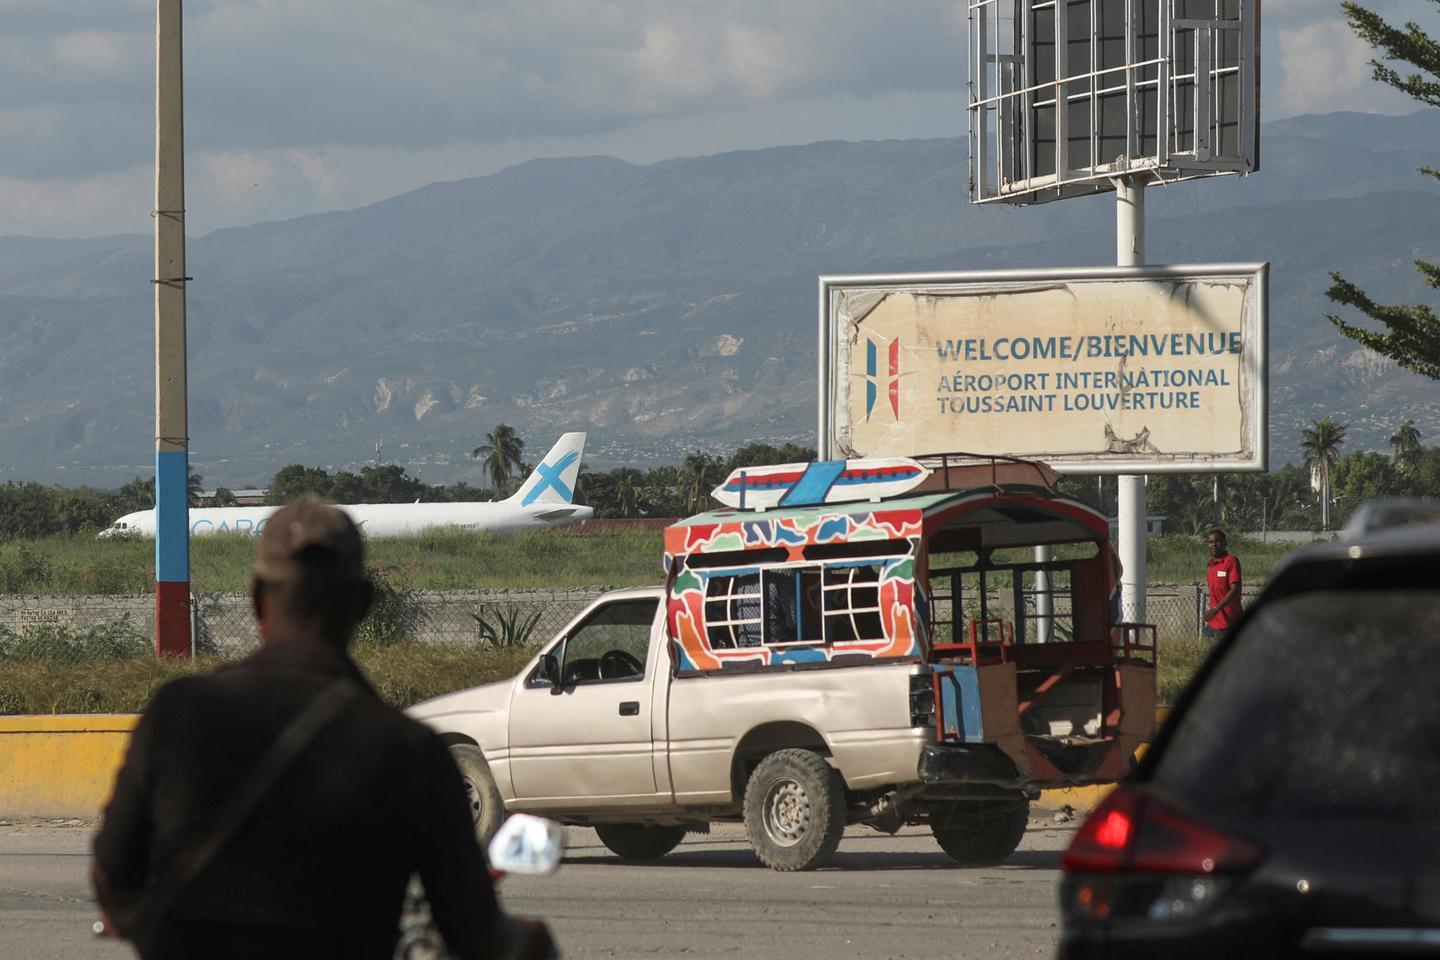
(445, 560)
(449, 560)
(403, 675)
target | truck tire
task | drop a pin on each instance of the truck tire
(638, 841)
(487, 809)
(983, 837)
(794, 810)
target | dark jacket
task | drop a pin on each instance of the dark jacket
(320, 867)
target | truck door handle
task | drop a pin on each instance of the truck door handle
(630, 708)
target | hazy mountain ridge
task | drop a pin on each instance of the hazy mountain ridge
(661, 307)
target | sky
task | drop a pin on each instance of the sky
(303, 106)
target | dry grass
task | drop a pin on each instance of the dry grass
(1179, 658)
(403, 674)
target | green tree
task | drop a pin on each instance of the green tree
(1286, 496)
(1411, 334)
(627, 491)
(295, 481)
(764, 455)
(1320, 443)
(699, 474)
(135, 495)
(500, 455)
(224, 497)
(1360, 476)
(390, 484)
(1406, 444)
(660, 492)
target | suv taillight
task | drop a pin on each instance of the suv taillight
(1138, 854)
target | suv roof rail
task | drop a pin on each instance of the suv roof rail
(1390, 512)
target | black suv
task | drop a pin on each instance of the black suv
(1291, 804)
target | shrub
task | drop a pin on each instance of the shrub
(112, 640)
(503, 625)
(396, 614)
(402, 675)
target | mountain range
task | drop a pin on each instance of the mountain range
(662, 308)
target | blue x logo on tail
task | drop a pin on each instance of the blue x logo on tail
(550, 476)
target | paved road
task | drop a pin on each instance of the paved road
(882, 897)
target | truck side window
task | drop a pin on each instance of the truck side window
(792, 606)
(732, 611)
(852, 603)
(612, 644)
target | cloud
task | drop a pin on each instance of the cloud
(295, 106)
(267, 74)
(1327, 68)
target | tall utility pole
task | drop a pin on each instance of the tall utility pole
(172, 441)
(1130, 496)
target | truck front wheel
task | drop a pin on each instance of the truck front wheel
(635, 841)
(487, 809)
(980, 836)
(794, 810)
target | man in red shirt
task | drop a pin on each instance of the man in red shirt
(1223, 579)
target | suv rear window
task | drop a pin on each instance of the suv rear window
(1322, 707)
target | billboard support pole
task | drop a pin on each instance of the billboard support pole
(1130, 252)
(172, 441)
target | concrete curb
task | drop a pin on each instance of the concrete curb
(64, 766)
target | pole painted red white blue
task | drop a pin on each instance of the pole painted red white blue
(172, 443)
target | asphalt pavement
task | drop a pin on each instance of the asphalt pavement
(881, 897)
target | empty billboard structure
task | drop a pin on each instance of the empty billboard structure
(1066, 95)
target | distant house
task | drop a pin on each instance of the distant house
(243, 498)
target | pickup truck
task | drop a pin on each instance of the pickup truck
(818, 664)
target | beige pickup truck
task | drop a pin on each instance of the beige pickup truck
(809, 667)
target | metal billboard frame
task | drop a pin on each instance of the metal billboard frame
(1255, 357)
(1061, 106)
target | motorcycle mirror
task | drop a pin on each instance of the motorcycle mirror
(527, 845)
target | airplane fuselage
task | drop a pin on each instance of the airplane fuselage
(377, 519)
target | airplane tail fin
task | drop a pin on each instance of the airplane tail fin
(553, 481)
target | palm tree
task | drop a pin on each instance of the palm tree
(1406, 444)
(695, 481)
(627, 491)
(501, 454)
(1321, 444)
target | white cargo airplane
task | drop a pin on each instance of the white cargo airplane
(544, 500)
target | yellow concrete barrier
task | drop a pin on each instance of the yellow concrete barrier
(60, 766)
(64, 766)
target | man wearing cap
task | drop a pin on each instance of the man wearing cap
(315, 864)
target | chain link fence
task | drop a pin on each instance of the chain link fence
(83, 629)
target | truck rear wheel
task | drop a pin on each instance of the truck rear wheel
(980, 837)
(487, 809)
(794, 810)
(636, 841)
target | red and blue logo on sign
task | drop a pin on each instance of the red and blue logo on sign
(872, 376)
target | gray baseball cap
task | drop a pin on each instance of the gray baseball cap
(309, 536)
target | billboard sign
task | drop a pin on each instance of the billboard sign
(1067, 95)
(1104, 370)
